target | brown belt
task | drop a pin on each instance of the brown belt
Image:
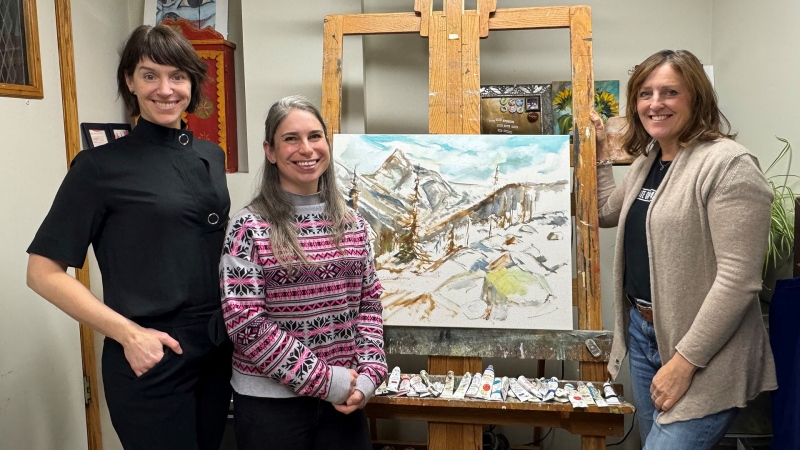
(647, 313)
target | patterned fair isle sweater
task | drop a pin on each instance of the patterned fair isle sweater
(298, 334)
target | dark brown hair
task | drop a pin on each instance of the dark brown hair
(707, 122)
(162, 45)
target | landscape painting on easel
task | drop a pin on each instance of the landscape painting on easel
(470, 230)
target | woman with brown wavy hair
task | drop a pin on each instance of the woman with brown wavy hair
(693, 218)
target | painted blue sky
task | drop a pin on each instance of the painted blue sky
(469, 159)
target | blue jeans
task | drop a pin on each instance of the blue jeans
(695, 434)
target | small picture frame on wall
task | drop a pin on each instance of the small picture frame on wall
(119, 129)
(516, 109)
(97, 134)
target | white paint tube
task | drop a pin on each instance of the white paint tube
(418, 387)
(474, 386)
(529, 387)
(405, 385)
(574, 397)
(541, 384)
(596, 396)
(552, 385)
(497, 390)
(505, 384)
(394, 381)
(463, 385)
(611, 396)
(584, 391)
(561, 396)
(382, 389)
(425, 379)
(487, 380)
(449, 382)
(436, 388)
(520, 392)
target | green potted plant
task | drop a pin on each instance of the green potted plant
(777, 261)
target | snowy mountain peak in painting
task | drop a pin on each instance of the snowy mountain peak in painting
(470, 231)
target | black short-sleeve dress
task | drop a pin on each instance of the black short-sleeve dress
(154, 205)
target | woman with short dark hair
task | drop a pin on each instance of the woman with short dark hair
(153, 205)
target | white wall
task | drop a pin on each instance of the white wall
(756, 67)
(282, 48)
(41, 386)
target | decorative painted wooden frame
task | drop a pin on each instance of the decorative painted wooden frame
(534, 99)
(34, 87)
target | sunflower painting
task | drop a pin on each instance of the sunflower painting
(606, 103)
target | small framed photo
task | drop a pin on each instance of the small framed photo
(96, 134)
(119, 129)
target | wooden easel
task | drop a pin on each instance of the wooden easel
(454, 108)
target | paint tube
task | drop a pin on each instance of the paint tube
(418, 387)
(436, 388)
(449, 382)
(382, 389)
(529, 387)
(425, 379)
(541, 385)
(610, 395)
(474, 386)
(552, 385)
(598, 399)
(574, 397)
(394, 381)
(497, 388)
(561, 396)
(405, 385)
(487, 380)
(504, 386)
(463, 385)
(584, 391)
(520, 392)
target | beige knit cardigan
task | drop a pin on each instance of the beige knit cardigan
(707, 230)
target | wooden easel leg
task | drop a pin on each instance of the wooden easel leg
(593, 443)
(449, 436)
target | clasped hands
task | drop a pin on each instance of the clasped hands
(356, 400)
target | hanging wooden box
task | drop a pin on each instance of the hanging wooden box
(214, 119)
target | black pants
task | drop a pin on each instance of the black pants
(299, 423)
(181, 403)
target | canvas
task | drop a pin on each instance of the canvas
(469, 230)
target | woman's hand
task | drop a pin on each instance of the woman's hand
(600, 135)
(145, 348)
(671, 382)
(355, 402)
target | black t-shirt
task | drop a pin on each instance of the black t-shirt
(154, 205)
(637, 263)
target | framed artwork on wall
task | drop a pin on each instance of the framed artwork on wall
(97, 134)
(200, 14)
(516, 109)
(20, 65)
